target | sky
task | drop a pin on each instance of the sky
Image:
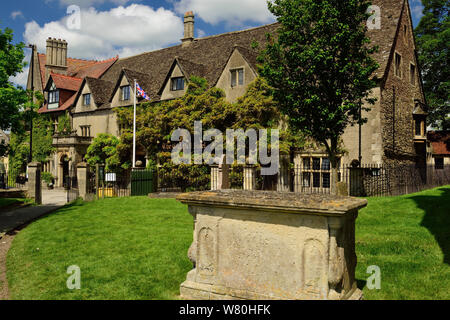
(107, 28)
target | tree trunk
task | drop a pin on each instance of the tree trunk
(334, 167)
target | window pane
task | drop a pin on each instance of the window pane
(326, 180)
(233, 78)
(418, 130)
(126, 93)
(307, 163)
(316, 163)
(326, 164)
(241, 77)
(177, 84)
(306, 179)
(316, 180)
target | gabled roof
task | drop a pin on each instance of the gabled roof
(144, 81)
(77, 70)
(212, 52)
(101, 91)
(440, 141)
(189, 69)
(64, 82)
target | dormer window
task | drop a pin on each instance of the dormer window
(53, 95)
(237, 77)
(177, 84)
(125, 93)
(87, 99)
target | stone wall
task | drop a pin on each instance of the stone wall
(397, 122)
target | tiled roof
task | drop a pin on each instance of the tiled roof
(208, 56)
(211, 53)
(77, 69)
(65, 82)
(440, 141)
(101, 90)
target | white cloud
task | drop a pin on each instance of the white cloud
(232, 12)
(122, 30)
(417, 8)
(22, 78)
(88, 3)
(16, 14)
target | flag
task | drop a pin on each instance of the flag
(141, 92)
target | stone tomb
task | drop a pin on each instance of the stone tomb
(271, 245)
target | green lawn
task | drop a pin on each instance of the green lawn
(136, 248)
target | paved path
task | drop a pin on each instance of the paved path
(51, 200)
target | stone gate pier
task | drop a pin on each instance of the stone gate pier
(271, 245)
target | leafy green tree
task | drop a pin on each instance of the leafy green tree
(11, 63)
(103, 150)
(433, 39)
(320, 67)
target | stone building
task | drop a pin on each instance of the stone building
(91, 90)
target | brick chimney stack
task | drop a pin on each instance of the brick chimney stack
(56, 56)
(188, 29)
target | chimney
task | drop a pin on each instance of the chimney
(188, 29)
(56, 56)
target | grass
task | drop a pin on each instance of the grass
(8, 202)
(408, 237)
(136, 248)
(127, 248)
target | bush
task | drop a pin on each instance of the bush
(47, 177)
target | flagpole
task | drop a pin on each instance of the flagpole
(134, 127)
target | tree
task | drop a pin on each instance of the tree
(320, 67)
(433, 38)
(103, 150)
(11, 98)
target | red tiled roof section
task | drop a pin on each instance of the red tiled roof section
(80, 68)
(65, 82)
(66, 105)
(440, 141)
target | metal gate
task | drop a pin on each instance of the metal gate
(142, 182)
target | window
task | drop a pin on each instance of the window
(85, 131)
(53, 97)
(412, 74)
(419, 127)
(177, 84)
(125, 93)
(237, 77)
(439, 163)
(398, 65)
(87, 99)
(316, 172)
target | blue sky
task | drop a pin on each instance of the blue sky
(128, 27)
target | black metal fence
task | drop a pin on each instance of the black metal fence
(368, 180)
(13, 180)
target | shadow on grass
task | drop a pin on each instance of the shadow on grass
(437, 218)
